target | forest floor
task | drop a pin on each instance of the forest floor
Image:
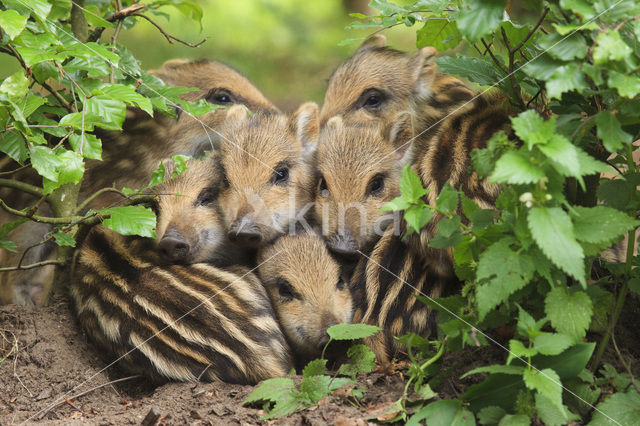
(50, 373)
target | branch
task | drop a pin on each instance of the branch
(95, 195)
(169, 37)
(41, 219)
(58, 96)
(512, 78)
(24, 187)
(33, 265)
(495, 60)
(10, 172)
(533, 30)
(119, 15)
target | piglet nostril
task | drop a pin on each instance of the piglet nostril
(343, 245)
(245, 233)
(174, 248)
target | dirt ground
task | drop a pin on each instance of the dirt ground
(51, 374)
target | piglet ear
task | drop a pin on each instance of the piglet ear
(376, 40)
(424, 70)
(236, 114)
(400, 134)
(306, 125)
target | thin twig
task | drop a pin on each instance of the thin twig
(168, 36)
(512, 77)
(21, 186)
(623, 361)
(78, 395)
(42, 219)
(10, 172)
(33, 265)
(96, 194)
(495, 60)
(24, 253)
(119, 15)
(58, 96)
(533, 30)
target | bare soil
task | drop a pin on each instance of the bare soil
(49, 373)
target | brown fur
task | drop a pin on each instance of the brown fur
(196, 323)
(267, 176)
(306, 289)
(351, 162)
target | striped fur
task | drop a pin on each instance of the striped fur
(175, 322)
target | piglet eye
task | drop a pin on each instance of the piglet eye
(376, 185)
(281, 175)
(341, 284)
(206, 197)
(371, 99)
(285, 290)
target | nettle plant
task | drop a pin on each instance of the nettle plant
(72, 81)
(534, 265)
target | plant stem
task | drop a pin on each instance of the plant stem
(21, 186)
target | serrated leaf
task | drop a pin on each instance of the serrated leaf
(561, 151)
(551, 414)
(570, 314)
(131, 220)
(128, 94)
(504, 369)
(411, 185)
(581, 7)
(517, 349)
(506, 271)
(480, 19)
(87, 145)
(442, 35)
(551, 343)
(600, 224)
(628, 86)
(543, 67)
(447, 200)
(532, 128)
(352, 331)
(565, 79)
(547, 383)
(515, 168)
(361, 360)
(566, 29)
(417, 217)
(316, 367)
(619, 408)
(566, 48)
(610, 131)
(491, 415)
(397, 204)
(271, 390)
(16, 85)
(515, 420)
(14, 146)
(478, 70)
(552, 230)
(64, 239)
(12, 23)
(446, 412)
(314, 388)
(610, 47)
(589, 165)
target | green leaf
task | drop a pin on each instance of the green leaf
(570, 314)
(551, 414)
(14, 146)
(314, 388)
(551, 343)
(506, 271)
(559, 150)
(352, 331)
(581, 7)
(45, 161)
(565, 79)
(120, 92)
(361, 360)
(480, 19)
(131, 220)
(497, 390)
(8, 245)
(16, 85)
(515, 420)
(112, 112)
(39, 7)
(566, 29)
(515, 168)
(442, 35)
(417, 217)
(91, 14)
(610, 131)
(71, 167)
(10, 226)
(87, 145)
(547, 383)
(446, 412)
(478, 70)
(397, 204)
(411, 185)
(271, 390)
(589, 165)
(610, 47)
(619, 408)
(33, 56)
(543, 67)
(552, 230)
(568, 364)
(491, 415)
(12, 23)
(316, 367)
(532, 128)
(64, 239)
(600, 224)
(504, 369)
(566, 48)
(449, 233)
(517, 349)
(447, 200)
(628, 86)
